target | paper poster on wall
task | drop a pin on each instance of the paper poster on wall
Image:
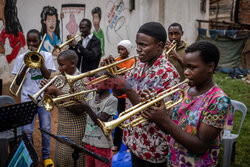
(72, 14)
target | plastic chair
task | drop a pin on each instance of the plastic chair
(8, 135)
(230, 139)
(6, 100)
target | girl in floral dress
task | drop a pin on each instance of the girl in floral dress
(196, 125)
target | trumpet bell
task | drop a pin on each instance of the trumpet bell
(48, 103)
(65, 45)
(33, 60)
(34, 99)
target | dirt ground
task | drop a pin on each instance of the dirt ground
(37, 135)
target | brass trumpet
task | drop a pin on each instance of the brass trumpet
(110, 67)
(49, 102)
(107, 127)
(31, 60)
(59, 49)
(35, 97)
(167, 51)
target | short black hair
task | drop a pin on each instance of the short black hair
(208, 51)
(69, 55)
(35, 31)
(88, 22)
(175, 25)
(98, 11)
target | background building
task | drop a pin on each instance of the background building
(120, 19)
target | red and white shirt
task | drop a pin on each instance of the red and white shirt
(147, 141)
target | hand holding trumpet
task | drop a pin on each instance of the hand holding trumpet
(170, 49)
(51, 89)
(73, 43)
(157, 112)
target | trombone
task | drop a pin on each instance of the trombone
(35, 97)
(59, 49)
(110, 67)
(32, 59)
(173, 47)
(107, 127)
(49, 102)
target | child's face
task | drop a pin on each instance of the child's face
(66, 66)
(122, 51)
(195, 69)
(174, 33)
(50, 23)
(33, 41)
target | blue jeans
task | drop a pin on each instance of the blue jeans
(45, 123)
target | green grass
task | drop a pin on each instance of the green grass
(236, 89)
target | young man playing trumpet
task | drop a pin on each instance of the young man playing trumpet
(31, 86)
(71, 121)
(175, 56)
(146, 141)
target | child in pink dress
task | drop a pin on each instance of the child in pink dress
(196, 125)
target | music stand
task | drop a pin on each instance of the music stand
(77, 148)
(17, 115)
(24, 154)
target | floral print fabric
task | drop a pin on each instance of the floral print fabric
(213, 108)
(147, 141)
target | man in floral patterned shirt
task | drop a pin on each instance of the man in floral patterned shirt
(146, 141)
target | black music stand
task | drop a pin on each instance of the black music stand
(77, 148)
(17, 115)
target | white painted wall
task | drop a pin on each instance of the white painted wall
(184, 12)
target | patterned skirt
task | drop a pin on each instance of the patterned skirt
(73, 127)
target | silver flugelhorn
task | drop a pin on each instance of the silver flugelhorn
(35, 97)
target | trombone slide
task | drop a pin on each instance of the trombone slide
(13, 82)
(32, 60)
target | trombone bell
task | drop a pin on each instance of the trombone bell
(33, 60)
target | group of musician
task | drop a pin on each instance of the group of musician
(186, 134)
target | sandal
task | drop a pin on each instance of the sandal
(48, 163)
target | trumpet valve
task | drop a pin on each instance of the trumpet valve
(57, 48)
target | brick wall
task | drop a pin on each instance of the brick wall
(244, 12)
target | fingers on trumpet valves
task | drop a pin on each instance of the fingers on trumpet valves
(43, 83)
(148, 94)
